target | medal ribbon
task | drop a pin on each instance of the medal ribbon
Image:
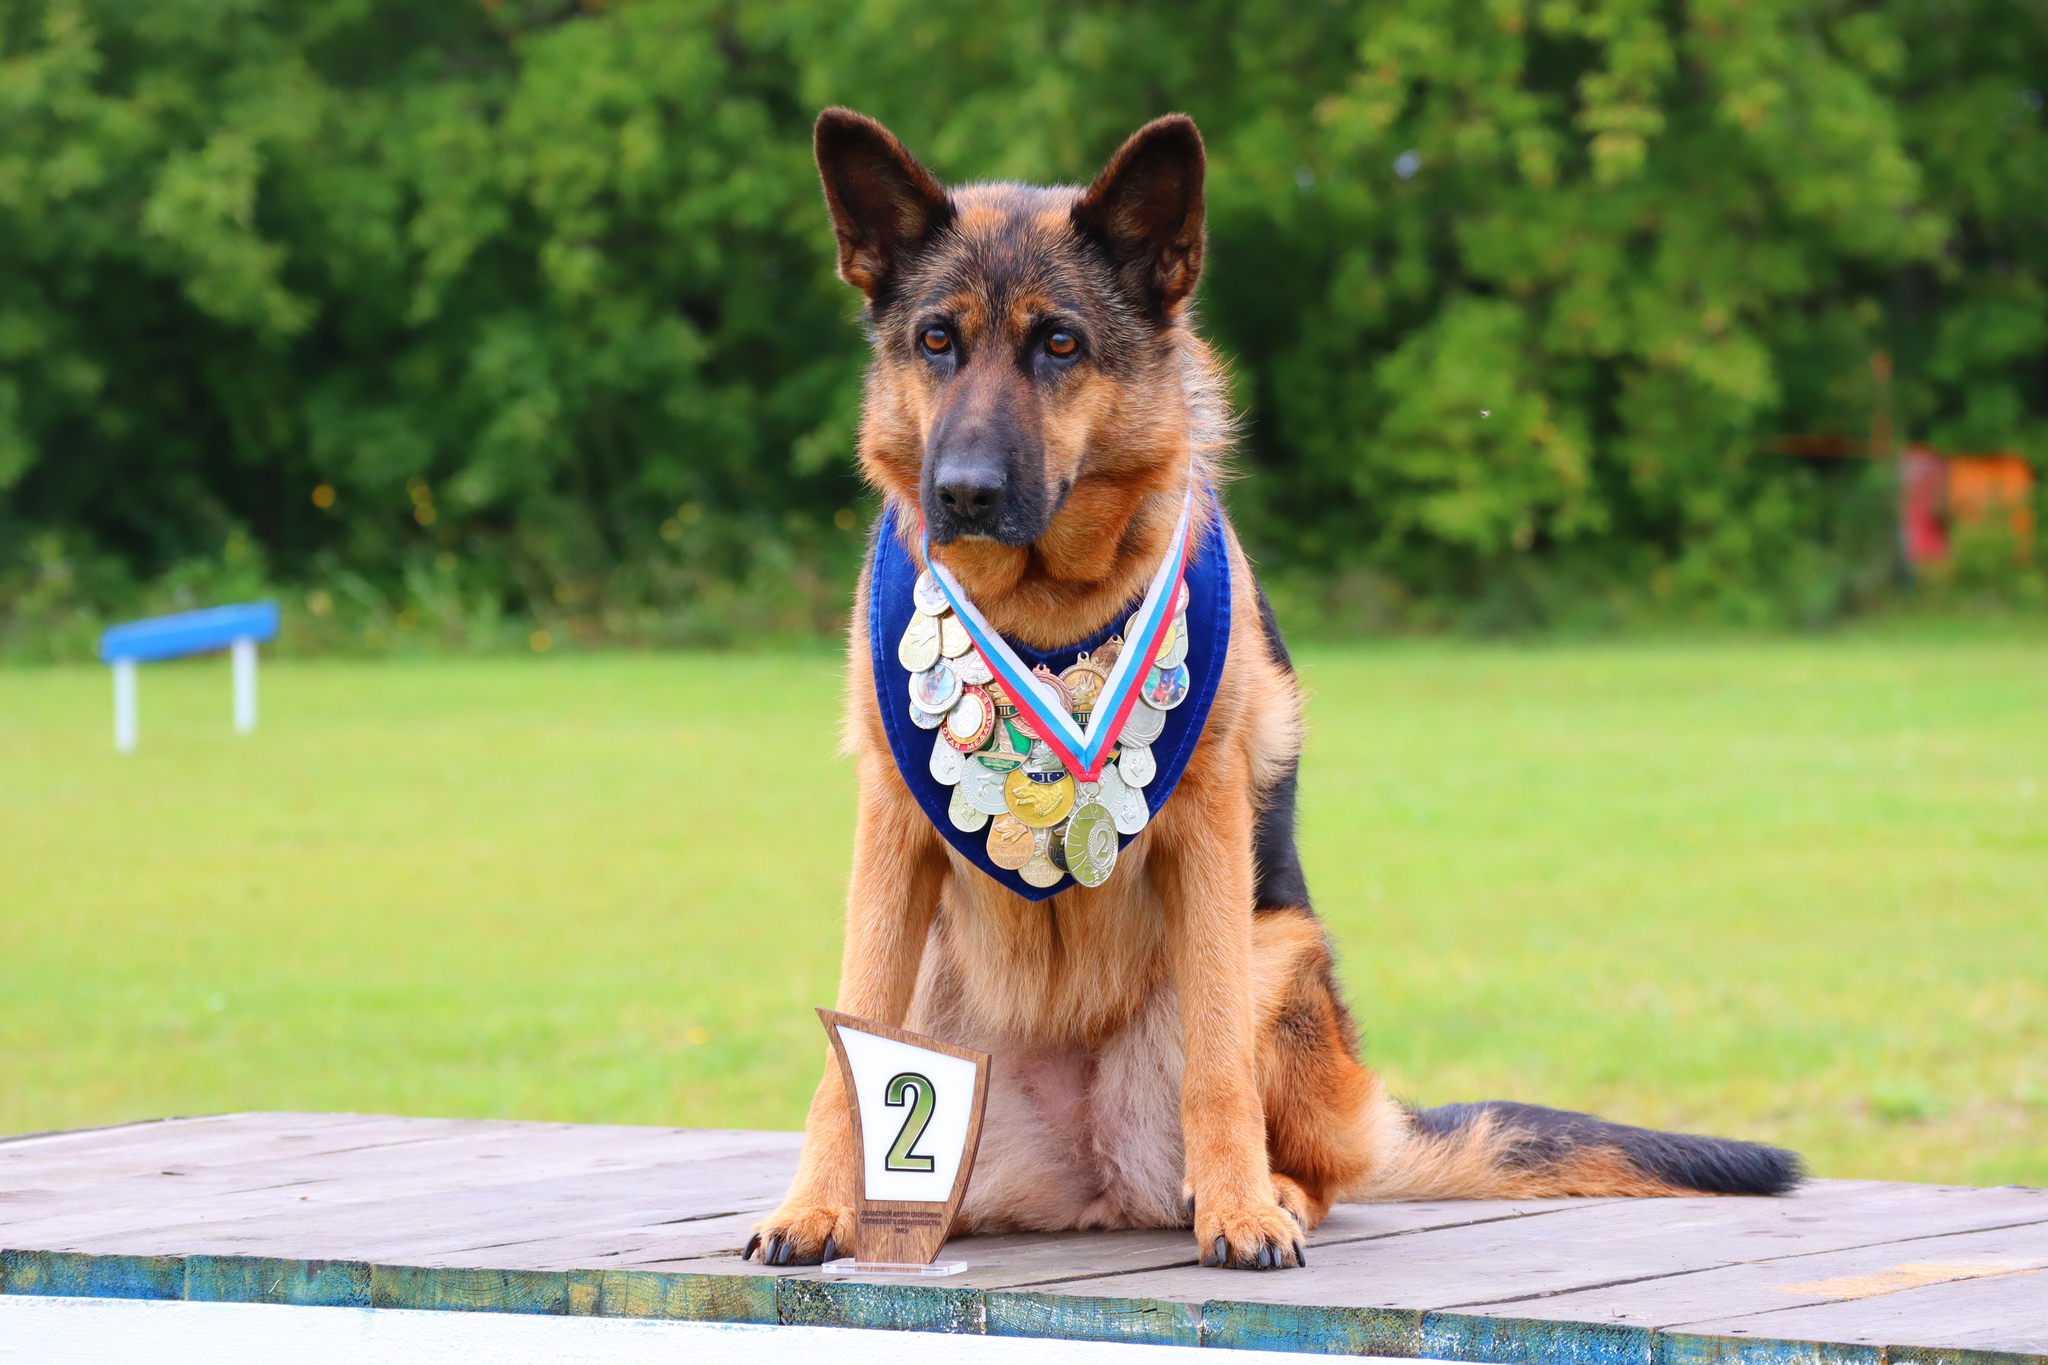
(1081, 752)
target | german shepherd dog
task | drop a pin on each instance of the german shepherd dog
(1170, 1047)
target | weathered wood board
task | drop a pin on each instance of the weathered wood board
(560, 1218)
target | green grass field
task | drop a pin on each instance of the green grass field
(1795, 891)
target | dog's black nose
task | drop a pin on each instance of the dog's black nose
(971, 493)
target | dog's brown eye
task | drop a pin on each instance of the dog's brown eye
(935, 341)
(1061, 344)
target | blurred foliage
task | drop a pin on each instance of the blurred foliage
(522, 313)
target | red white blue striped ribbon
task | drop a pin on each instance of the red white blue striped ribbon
(1081, 752)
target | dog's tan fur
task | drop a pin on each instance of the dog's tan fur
(1164, 1056)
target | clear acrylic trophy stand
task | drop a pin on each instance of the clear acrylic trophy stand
(846, 1265)
(916, 1106)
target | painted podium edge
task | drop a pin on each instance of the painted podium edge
(794, 1298)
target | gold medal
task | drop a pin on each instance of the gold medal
(1040, 805)
(919, 648)
(1009, 842)
(953, 638)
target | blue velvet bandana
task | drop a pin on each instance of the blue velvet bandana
(1080, 841)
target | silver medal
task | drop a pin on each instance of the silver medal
(1143, 725)
(982, 790)
(1165, 688)
(919, 648)
(1126, 803)
(929, 596)
(935, 689)
(1091, 844)
(948, 763)
(923, 719)
(972, 668)
(964, 815)
(1135, 765)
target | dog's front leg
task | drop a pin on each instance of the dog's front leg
(1205, 872)
(898, 865)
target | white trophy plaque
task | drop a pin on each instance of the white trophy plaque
(916, 1108)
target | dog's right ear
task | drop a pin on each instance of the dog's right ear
(883, 203)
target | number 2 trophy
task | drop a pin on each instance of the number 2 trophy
(916, 1107)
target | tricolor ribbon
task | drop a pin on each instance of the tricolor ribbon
(1081, 752)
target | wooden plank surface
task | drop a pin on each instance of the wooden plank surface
(584, 1219)
(1731, 1292)
(1507, 1263)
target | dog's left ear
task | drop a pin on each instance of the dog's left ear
(1146, 207)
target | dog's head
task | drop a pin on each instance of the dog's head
(1022, 336)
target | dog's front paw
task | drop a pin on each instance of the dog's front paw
(1249, 1237)
(801, 1234)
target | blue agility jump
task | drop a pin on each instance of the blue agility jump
(238, 629)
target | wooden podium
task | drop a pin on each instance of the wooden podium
(916, 1105)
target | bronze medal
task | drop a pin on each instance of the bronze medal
(1084, 681)
(1009, 842)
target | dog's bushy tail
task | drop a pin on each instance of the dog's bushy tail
(1502, 1150)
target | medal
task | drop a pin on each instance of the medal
(1126, 803)
(1040, 805)
(948, 763)
(935, 689)
(1145, 725)
(1135, 765)
(972, 668)
(1176, 647)
(1009, 842)
(953, 638)
(928, 596)
(926, 720)
(963, 813)
(920, 647)
(1084, 683)
(1091, 844)
(969, 722)
(984, 788)
(1166, 688)
(1041, 870)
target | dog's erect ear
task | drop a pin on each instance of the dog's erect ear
(1146, 206)
(883, 203)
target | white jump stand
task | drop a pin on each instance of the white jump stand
(238, 629)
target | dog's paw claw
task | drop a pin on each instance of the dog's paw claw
(1300, 1254)
(753, 1245)
(831, 1252)
(1253, 1238)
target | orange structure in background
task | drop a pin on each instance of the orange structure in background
(1939, 492)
